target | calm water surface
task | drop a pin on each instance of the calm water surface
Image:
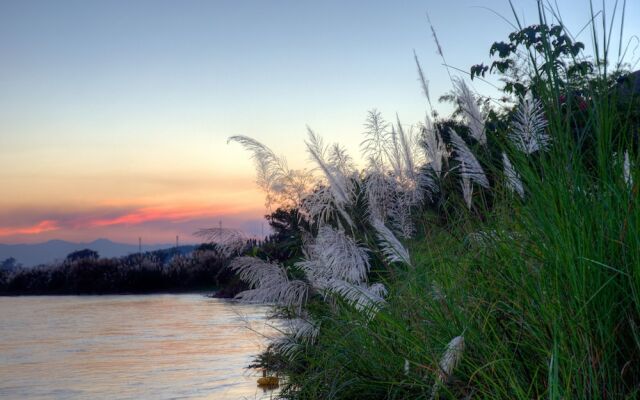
(128, 347)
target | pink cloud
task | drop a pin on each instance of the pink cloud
(150, 214)
(42, 226)
(156, 224)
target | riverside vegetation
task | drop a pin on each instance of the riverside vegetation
(492, 254)
(178, 269)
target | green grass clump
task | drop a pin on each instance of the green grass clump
(545, 289)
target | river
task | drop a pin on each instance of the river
(166, 346)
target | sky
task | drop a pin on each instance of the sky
(115, 115)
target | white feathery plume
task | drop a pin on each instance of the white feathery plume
(269, 283)
(286, 345)
(528, 126)
(435, 37)
(318, 205)
(409, 143)
(340, 161)
(228, 241)
(627, 169)
(471, 111)
(467, 189)
(391, 247)
(271, 169)
(472, 169)
(427, 183)
(334, 255)
(451, 357)
(337, 183)
(283, 186)
(379, 189)
(514, 183)
(303, 330)
(341, 187)
(423, 81)
(394, 154)
(399, 212)
(376, 134)
(379, 290)
(296, 332)
(366, 299)
(434, 146)
(294, 187)
(448, 362)
(405, 150)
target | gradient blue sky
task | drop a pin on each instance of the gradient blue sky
(114, 114)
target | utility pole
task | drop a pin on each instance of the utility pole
(177, 241)
(140, 244)
(220, 224)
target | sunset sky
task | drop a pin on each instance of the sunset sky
(114, 115)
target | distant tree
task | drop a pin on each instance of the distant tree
(10, 264)
(85, 254)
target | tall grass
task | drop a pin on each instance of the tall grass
(523, 278)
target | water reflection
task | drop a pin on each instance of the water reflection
(129, 347)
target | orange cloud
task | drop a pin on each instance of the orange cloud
(150, 214)
(42, 226)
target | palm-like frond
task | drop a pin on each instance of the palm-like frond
(296, 332)
(366, 299)
(270, 168)
(337, 182)
(379, 290)
(228, 241)
(472, 169)
(269, 283)
(471, 111)
(528, 126)
(286, 345)
(283, 186)
(318, 206)
(334, 255)
(514, 183)
(391, 247)
(303, 330)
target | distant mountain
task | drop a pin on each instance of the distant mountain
(43, 253)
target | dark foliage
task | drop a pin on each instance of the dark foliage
(83, 272)
(286, 241)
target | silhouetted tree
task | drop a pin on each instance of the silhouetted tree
(85, 254)
(10, 265)
(286, 241)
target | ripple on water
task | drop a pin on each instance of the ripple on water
(129, 347)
